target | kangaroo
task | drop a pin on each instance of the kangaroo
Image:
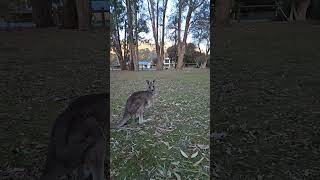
(137, 103)
(77, 141)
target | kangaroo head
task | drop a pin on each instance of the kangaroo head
(151, 87)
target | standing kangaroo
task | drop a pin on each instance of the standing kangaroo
(137, 103)
(77, 142)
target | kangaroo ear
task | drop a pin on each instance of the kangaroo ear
(148, 82)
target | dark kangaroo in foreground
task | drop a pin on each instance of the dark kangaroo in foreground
(77, 142)
(137, 103)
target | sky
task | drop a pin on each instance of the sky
(169, 12)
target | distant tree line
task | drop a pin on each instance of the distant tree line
(192, 56)
(132, 17)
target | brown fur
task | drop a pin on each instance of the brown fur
(137, 103)
(77, 136)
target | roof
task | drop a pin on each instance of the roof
(144, 62)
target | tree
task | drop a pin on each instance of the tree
(155, 13)
(201, 30)
(118, 12)
(172, 52)
(145, 54)
(165, 3)
(299, 9)
(314, 10)
(77, 14)
(70, 17)
(173, 36)
(136, 23)
(222, 11)
(84, 14)
(108, 35)
(42, 13)
(181, 43)
(4, 10)
(191, 55)
(130, 11)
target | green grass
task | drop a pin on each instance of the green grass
(181, 108)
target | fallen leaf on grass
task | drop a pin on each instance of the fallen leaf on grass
(177, 176)
(203, 146)
(176, 163)
(195, 154)
(161, 172)
(184, 154)
(169, 174)
(198, 162)
(167, 144)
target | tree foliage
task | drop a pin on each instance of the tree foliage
(200, 30)
(191, 55)
(128, 17)
(117, 10)
(157, 12)
(181, 25)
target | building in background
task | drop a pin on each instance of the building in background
(168, 63)
(145, 64)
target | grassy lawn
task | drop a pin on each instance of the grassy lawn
(38, 68)
(180, 124)
(266, 101)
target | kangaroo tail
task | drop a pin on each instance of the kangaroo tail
(123, 121)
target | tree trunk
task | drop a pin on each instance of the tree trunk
(292, 11)
(181, 52)
(299, 9)
(117, 47)
(125, 45)
(154, 23)
(179, 43)
(204, 64)
(302, 8)
(158, 49)
(70, 17)
(182, 45)
(136, 37)
(42, 13)
(222, 10)
(84, 14)
(108, 35)
(130, 34)
(4, 11)
(165, 3)
(135, 57)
